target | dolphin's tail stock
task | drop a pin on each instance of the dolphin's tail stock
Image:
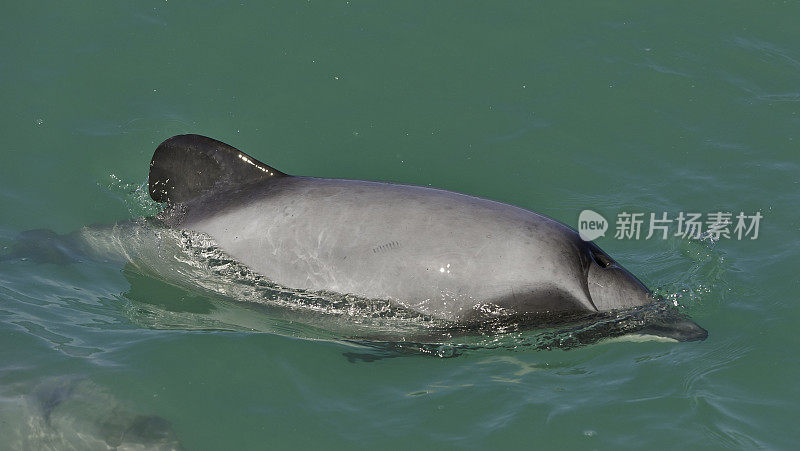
(187, 166)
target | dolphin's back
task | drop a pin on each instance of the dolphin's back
(448, 255)
(436, 251)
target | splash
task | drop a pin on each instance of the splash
(135, 196)
(704, 280)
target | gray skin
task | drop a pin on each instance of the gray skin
(448, 255)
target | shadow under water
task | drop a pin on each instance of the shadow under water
(72, 412)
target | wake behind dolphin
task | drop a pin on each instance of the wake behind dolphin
(451, 257)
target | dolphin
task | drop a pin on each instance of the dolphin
(443, 254)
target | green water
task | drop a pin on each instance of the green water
(556, 107)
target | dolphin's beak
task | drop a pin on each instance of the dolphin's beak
(676, 327)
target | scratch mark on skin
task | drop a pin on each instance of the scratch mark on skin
(386, 247)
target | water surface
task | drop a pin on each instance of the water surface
(621, 106)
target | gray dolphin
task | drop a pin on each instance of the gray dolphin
(448, 255)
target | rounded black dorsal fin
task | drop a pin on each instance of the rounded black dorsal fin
(187, 166)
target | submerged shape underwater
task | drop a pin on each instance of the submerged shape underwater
(422, 283)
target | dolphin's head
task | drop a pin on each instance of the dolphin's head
(610, 285)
